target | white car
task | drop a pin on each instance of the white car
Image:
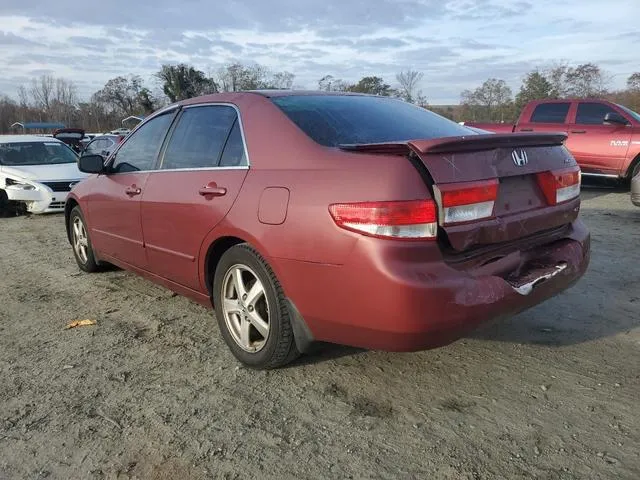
(37, 171)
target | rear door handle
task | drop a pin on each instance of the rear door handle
(526, 129)
(132, 191)
(578, 131)
(212, 190)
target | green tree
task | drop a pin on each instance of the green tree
(121, 94)
(371, 85)
(633, 82)
(182, 81)
(492, 101)
(534, 87)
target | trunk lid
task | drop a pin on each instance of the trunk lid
(515, 161)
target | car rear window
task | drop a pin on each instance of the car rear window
(333, 120)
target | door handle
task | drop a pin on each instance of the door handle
(132, 191)
(526, 129)
(212, 190)
(578, 131)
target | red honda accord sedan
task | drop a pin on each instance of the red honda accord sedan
(345, 218)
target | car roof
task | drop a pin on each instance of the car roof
(26, 138)
(289, 93)
(234, 96)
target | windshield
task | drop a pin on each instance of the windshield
(35, 153)
(333, 120)
(636, 116)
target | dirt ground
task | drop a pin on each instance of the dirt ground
(151, 391)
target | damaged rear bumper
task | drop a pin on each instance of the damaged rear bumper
(404, 298)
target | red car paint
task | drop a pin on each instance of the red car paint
(600, 148)
(349, 287)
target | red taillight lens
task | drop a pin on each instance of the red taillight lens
(466, 201)
(560, 186)
(413, 219)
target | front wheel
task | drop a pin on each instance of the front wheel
(82, 249)
(251, 310)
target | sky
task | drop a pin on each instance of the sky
(457, 44)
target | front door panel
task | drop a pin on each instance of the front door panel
(115, 217)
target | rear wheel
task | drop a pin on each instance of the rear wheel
(4, 203)
(251, 310)
(82, 249)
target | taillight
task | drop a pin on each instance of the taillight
(466, 201)
(560, 186)
(413, 219)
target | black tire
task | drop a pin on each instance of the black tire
(89, 265)
(279, 348)
(4, 203)
(635, 170)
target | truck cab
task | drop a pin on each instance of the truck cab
(604, 137)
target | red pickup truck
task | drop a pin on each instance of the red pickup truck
(604, 137)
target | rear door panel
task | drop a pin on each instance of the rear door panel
(176, 218)
(192, 192)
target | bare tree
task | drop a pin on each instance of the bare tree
(409, 85)
(329, 83)
(282, 80)
(42, 91)
(585, 80)
(23, 97)
(633, 82)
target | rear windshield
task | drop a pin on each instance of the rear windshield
(35, 153)
(333, 120)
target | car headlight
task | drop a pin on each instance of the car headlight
(16, 184)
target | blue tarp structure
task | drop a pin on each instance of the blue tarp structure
(38, 125)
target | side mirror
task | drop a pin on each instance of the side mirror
(616, 118)
(91, 164)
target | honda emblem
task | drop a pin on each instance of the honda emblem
(520, 158)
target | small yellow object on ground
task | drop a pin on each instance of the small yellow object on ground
(80, 323)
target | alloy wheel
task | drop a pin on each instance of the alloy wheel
(80, 240)
(245, 308)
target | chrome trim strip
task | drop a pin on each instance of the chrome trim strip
(213, 169)
(603, 175)
(528, 287)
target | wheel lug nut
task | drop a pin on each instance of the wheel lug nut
(244, 297)
(250, 308)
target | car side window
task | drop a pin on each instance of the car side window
(140, 151)
(590, 113)
(93, 146)
(199, 137)
(233, 154)
(550, 113)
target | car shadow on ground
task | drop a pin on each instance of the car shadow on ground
(321, 352)
(593, 187)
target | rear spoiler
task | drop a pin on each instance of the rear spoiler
(460, 144)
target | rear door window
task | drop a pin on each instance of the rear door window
(234, 152)
(199, 137)
(591, 113)
(550, 113)
(333, 120)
